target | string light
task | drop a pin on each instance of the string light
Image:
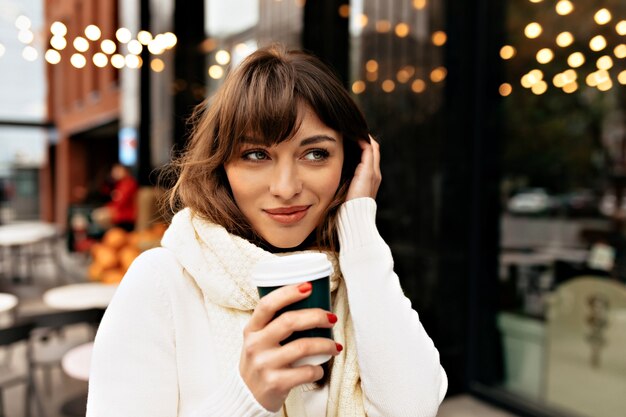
(29, 53)
(23, 23)
(25, 36)
(388, 86)
(58, 29)
(439, 38)
(108, 46)
(545, 55)
(371, 65)
(222, 57)
(604, 62)
(81, 44)
(418, 86)
(505, 89)
(620, 51)
(52, 56)
(564, 7)
(576, 59)
(533, 30)
(419, 4)
(358, 87)
(118, 61)
(100, 60)
(602, 17)
(597, 43)
(621, 77)
(134, 47)
(58, 42)
(132, 61)
(78, 60)
(93, 32)
(123, 35)
(157, 65)
(564, 39)
(402, 30)
(216, 72)
(620, 28)
(507, 52)
(144, 37)
(383, 26)
(438, 74)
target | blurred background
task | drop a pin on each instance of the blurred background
(503, 134)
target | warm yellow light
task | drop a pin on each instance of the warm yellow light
(81, 44)
(155, 46)
(606, 85)
(569, 76)
(358, 87)
(564, 7)
(571, 87)
(118, 61)
(545, 55)
(371, 65)
(403, 75)
(388, 86)
(536, 75)
(132, 61)
(601, 77)
(363, 20)
(58, 42)
(533, 30)
(78, 60)
(52, 56)
(507, 52)
(134, 47)
(100, 60)
(402, 30)
(23, 23)
(25, 36)
(108, 46)
(505, 89)
(29, 53)
(620, 28)
(157, 65)
(439, 38)
(123, 35)
(604, 62)
(591, 80)
(344, 11)
(621, 77)
(536, 1)
(525, 81)
(597, 43)
(559, 80)
(58, 29)
(144, 37)
(539, 88)
(438, 74)
(169, 40)
(532, 78)
(419, 4)
(602, 17)
(371, 76)
(93, 32)
(418, 86)
(216, 72)
(383, 26)
(620, 51)
(564, 39)
(222, 57)
(576, 59)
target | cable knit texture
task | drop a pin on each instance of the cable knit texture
(221, 264)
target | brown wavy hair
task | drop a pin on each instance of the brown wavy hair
(262, 96)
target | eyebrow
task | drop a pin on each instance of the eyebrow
(308, 141)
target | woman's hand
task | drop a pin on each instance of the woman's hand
(367, 176)
(265, 365)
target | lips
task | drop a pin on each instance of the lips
(287, 215)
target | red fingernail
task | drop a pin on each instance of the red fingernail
(305, 287)
(339, 347)
(332, 317)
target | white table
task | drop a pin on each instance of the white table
(80, 296)
(8, 302)
(77, 361)
(21, 238)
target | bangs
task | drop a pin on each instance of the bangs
(266, 104)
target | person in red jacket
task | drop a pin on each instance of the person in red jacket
(121, 211)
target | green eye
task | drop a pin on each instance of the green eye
(317, 155)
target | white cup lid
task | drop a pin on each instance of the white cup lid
(291, 269)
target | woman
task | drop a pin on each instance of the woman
(279, 161)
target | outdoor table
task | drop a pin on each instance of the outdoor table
(8, 302)
(20, 238)
(80, 296)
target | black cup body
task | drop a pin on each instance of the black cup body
(319, 298)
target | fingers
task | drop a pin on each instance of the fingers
(292, 321)
(376, 156)
(274, 301)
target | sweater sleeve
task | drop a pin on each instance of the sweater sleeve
(134, 367)
(399, 364)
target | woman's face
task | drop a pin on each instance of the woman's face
(283, 190)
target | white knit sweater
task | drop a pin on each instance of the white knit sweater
(155, 351)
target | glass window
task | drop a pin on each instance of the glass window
(562, 287)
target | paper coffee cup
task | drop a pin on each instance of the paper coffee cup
(271, 274)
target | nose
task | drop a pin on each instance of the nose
(285, 182)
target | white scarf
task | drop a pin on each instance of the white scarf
(221, 263)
